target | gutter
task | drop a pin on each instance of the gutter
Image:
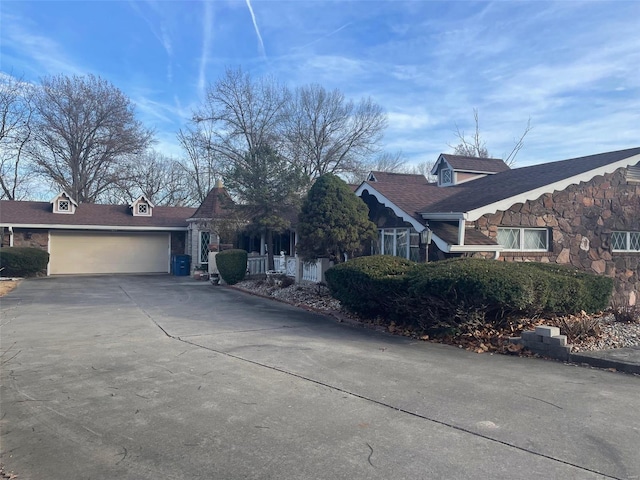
(95, 227)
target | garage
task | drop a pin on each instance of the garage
(108, 252)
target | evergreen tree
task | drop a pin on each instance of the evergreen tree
(333, 221)
(267, 188)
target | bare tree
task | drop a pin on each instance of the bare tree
(242, 114)
(384, 162)
(159, 178)
(84, 129)
(201, 165)
(476, 147)
(423, 168)
(16, 111)
(328, 134)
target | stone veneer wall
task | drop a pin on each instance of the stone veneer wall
(38, 238)
(581, 219)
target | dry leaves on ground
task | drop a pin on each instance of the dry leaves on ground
(7, 285)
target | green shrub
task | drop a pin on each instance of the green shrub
(22, 261)
(370, 286)
(232, 265)
(452, 292)
(463, 291)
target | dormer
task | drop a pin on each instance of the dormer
(141, 207)
(63, 203)
(456, 169)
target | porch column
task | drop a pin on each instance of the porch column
(263, 250)
(461, 228)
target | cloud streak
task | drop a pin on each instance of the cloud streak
(255, 26)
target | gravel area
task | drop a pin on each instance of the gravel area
(611, 334)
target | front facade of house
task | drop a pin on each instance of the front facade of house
(97, 239)
(583, 212)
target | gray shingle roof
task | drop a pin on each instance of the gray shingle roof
(510, 183)
(40, 213)
(474, 164)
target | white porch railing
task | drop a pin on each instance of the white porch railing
(257, 265)
(289, 266)
(312, 271)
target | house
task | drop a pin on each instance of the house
(95, 239)
(583, 212)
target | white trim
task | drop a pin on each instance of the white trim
(446, 248)
(560, 185)
(95, 227)
(49, 252)
(10, 236)
(443, 216)
(388, 203)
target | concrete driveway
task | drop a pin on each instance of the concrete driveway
(154, 377)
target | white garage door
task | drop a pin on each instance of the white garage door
(82, 252)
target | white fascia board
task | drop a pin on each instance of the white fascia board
(434, 169)
(388, 203)
(94, 227)
(449, 216)
(560, 185)
(446, 248)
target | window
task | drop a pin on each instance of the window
(143, 209)
(400, 242)
(446, 176)
(524, 239)
(63, 205)
(625, 241)
(204, 248)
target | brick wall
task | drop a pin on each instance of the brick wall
(581, 219)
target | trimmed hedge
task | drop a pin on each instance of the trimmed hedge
(453, 292)
(370, 286)
(232, 265)
(22, 261)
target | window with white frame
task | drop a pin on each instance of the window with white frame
(524, 239)
(399, 242)
(143, 209)
(204, 247)
(446, 176)
(63, 205)
(625, 241)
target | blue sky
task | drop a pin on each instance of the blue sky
(573, 67)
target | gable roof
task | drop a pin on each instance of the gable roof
(93, 216)
(475, 164)
(217, 204)
(403, 193)
(498, 192)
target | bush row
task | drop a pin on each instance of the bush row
(22, 261)
(449, 293)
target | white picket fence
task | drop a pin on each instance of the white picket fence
(290, 266)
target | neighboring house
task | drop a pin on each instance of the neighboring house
(583, 212)
(95, 239)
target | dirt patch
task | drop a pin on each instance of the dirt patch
(6, 286)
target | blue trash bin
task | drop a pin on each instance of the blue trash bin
(180, 265)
